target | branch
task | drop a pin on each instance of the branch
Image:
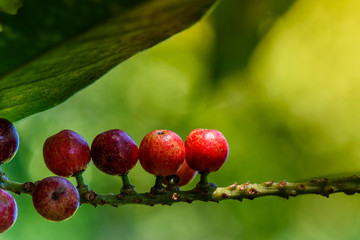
(324, 187)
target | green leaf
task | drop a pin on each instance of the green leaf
(50, 51)
(10, 6)
(253, 23)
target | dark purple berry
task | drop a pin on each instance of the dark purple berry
(56, 198)
(114, 152)
(8, 210)
(9, 141)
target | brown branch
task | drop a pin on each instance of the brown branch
(324, 187)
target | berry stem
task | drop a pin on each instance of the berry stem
(203, 178)
(158, 182)
(158, 187)
(173, 181)
(127, 188)
(81, 186)
(15, 187)
(203, 184)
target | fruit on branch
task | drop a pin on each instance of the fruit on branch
(66, 153)
(9, 141)
(114, 152)
(185, 175)
(56, 198)
(206, 150)
(161, 152)
(8, 210)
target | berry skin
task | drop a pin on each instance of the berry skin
(8, 210)
(66, 153)
(114, 152)
(206, 150)
(9, 141)
(161, 152)
(56, 198)
(185, 175)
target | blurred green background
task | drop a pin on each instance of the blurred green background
(280, 79)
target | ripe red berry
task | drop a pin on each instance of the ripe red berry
(161, 152)
(56, 198)
(185, 175)
(206, 150)
(66, 153)
(8, 210)
(114, 152)
(9, 141)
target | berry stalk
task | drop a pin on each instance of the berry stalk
(81, 185)
(15, 187)
(127, 188)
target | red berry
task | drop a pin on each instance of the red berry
(161, 152)
(66, 153)
(206, 150)
(8, 210)
(9, 141)
(55, 198)
(114, 152)
(185, 174)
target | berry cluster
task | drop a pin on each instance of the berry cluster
(161, 153)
